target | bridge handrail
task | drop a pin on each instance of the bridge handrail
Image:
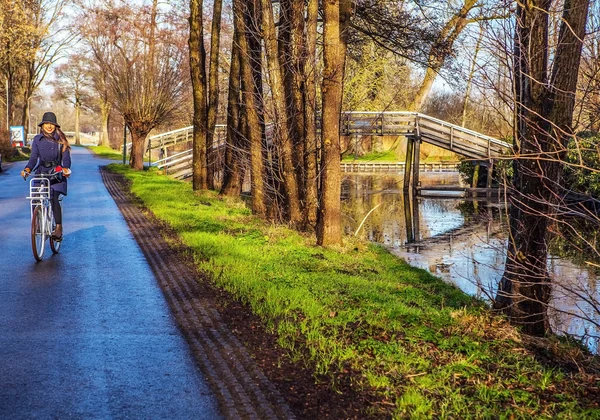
(173, 159)
(418, 116)
(166, 135)
(158, 140)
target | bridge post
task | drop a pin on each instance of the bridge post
(408, 163)
(416, 164)
(416, 217)
(475, 178)
(408, 212)
(489, 178)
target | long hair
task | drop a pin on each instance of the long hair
(62, 139)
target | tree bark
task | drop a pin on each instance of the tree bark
(77, 117)
(281, 133)
(105, 112)
(139, 132)
(251, 104)
(291, 54)
(440, 51)
(213, 85)
(198, 75)
(232, 182)
(310, 114)
(544, 110)
(336, 15)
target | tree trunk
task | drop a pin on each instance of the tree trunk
(281, 133)
(463, 119)
(291, 53)
(231, 169)
(251, 104)
(198, 75)
(336, 13)
(139, 132)
(77, 118)
(213, 85)
(440, 51)
(310, 114)
(544, 110)
(105, 112)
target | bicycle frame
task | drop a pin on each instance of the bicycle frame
(39, 196)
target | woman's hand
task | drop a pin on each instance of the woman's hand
(66, 172)
(25, 173)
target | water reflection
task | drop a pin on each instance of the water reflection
(463, 242)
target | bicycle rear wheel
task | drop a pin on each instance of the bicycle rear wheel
(38, 235)
(54, 244)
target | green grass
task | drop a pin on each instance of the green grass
(107, 152)
(423, 348)
(385, 156)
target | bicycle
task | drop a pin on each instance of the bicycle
(42, 217)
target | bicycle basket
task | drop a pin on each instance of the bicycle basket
(39, 189)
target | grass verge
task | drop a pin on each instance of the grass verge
(421, 346)
(107, 152)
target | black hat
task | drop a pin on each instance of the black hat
(50, 118)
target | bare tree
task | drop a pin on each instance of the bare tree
(310, 116)
(336, 19)
(213, 83)
(72, 84)
(545, 98)
(244, 13)
(232, 177)
(281, 132)
(144, 61)
(31, 41)
(198, 73)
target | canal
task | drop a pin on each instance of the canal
(464, 242)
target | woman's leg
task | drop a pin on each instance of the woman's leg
(56, 209)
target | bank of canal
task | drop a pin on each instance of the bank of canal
(463, 242)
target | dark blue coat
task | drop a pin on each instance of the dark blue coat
(46, 150)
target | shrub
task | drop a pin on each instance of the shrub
(6, 150)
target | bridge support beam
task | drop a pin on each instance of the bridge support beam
(416, 164)
(408, 163)
(490, 172)
(413, 155)
(476, 178)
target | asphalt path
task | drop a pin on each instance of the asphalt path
(87, 333)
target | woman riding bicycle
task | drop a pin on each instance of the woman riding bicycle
(49, 149)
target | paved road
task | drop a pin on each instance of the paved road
(87, 333)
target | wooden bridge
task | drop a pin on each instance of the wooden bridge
(414, 126)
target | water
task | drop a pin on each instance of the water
(463, 242)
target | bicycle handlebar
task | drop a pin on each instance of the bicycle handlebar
(58, 170)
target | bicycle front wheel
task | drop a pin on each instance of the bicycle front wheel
(38, 234)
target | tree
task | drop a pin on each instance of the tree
(31, 41)
(198, 73)
(246, 12)
(72, 84)
(281, 134)
(545, 98)
(336, 15)
(144, 61)
(213, 83)
(232, 176)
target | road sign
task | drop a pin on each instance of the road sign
(17, 136)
